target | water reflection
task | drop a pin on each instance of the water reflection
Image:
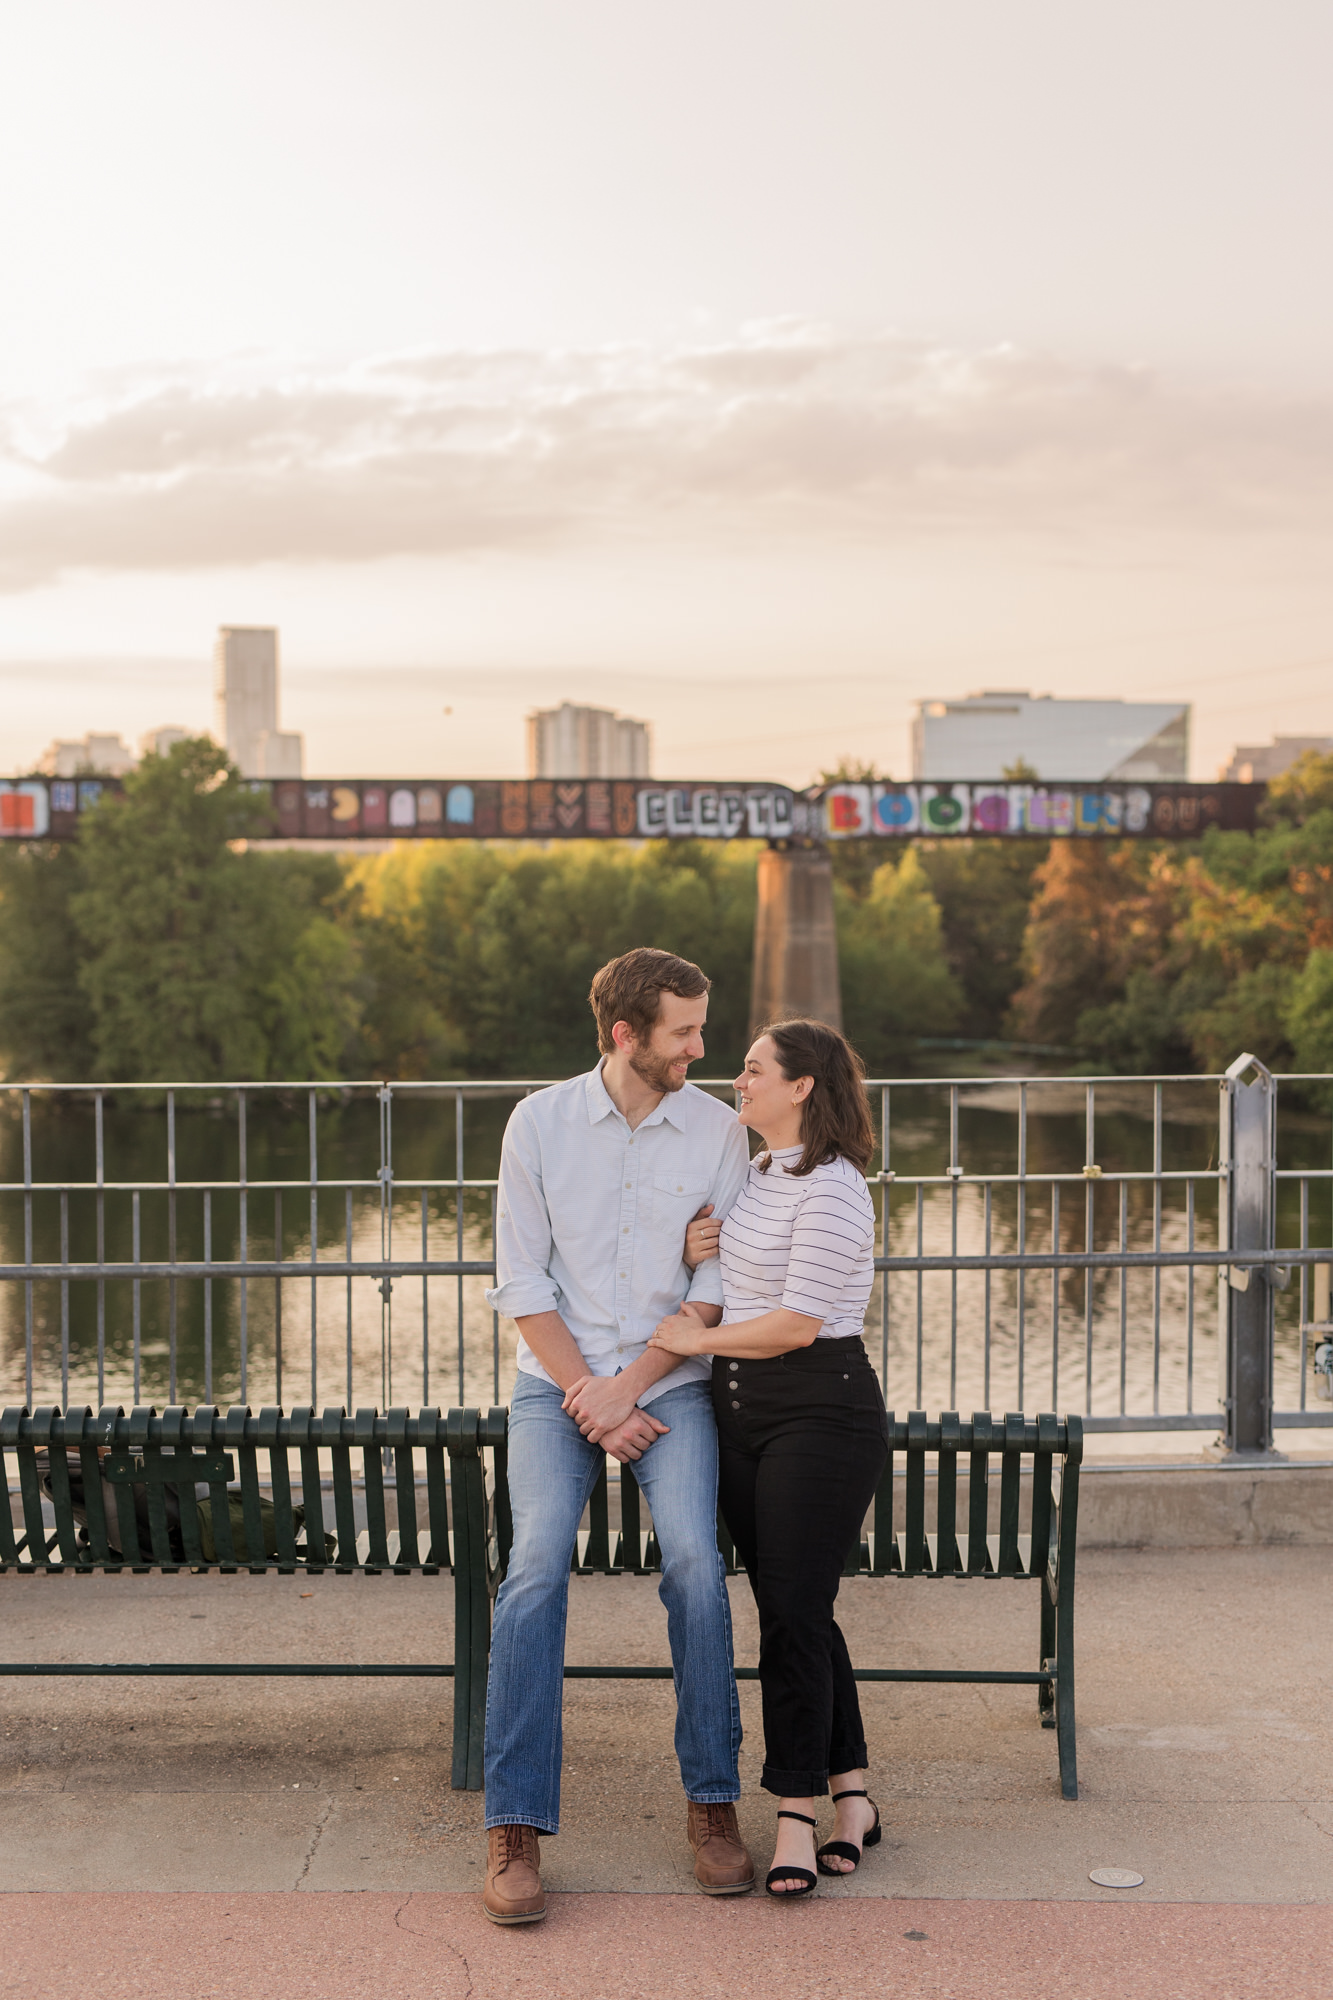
(1103, 1341)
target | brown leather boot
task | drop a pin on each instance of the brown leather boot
(513, 1893)
(722, 1864)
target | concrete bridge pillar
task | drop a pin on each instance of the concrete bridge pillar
(795, 942)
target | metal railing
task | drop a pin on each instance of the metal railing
(1065, 1242)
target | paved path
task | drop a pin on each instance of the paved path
(149, 1829)
(438, 1947)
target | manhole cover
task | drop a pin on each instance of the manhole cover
(1116, 1878)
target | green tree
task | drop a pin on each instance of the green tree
(984, 889)
(46, 1018)
(481, 958)
(896, 981)
(200, 961)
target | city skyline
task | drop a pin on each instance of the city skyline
(891, 372)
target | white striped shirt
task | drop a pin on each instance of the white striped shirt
(804, 1243)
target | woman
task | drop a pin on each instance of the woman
(802, 1434)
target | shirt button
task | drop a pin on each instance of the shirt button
(735, 1406)
(846, 1378)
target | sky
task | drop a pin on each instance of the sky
(756, 369)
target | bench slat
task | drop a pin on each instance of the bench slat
(978, 1492)
(344, 1504)
(9, 1548)
(312, 1492)
(372, 1459)
(1040, 1541)
(881, 1535)
(437, 1492)
(1011, 1472)
(598, 1551)
(62, 1500)
(945, 1556)
(405, 1545)
(915, 1532)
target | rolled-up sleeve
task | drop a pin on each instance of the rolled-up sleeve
(522, 1227)
(706, 1283)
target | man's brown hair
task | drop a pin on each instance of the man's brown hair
(630, 989)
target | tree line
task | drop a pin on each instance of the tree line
(160, 945)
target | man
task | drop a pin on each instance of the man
(599, 1178)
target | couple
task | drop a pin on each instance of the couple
(721, 1353)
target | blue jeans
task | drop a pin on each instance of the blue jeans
(552, 1472)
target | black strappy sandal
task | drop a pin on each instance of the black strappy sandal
(843, 1848)
(806, 1876)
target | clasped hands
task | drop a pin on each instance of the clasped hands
(604, 1406)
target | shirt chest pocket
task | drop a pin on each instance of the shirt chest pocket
(675, 1199)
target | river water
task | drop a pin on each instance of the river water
(943, 1340)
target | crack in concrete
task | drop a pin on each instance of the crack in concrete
(452, 1949)
(320, 1825)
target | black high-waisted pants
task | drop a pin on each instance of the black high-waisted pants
(802, 1441)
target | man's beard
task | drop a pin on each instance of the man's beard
(655, 1071)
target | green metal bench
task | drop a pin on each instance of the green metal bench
(1036, 1540)
(151, 1464)
(122, 1491)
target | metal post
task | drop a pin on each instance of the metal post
(1245, 1292)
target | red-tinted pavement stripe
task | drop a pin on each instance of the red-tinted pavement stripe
(329, 1944)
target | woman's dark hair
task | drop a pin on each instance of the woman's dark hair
(835, 1118)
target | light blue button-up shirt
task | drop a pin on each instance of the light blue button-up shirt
(591, 1217)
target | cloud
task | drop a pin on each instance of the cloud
(790, 431)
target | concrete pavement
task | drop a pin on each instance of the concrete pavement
(1205, 1754)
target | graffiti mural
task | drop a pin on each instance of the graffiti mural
(351, 809)
(1036, 811)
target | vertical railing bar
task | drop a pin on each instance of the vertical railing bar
(386, 1240)
(171, 1245)
(1089, 1237)
(458, 1161)
(27, 1248)
(920, 1277)
(885, 1191)
(1189, 1299)
(954, 1166)
(314, 1253)
(985, 1397)
(1124, 1292)
(425, 1300)
(243, 1224)
(1055, 1299)
(277, 1295)
(101, 1255)
(137, 1290)
(1304, 1280)
(953, 1299)
(1022, 1231)
(349, 1231)
(64, 1301)
(208, 1299)
(495, 1318)
(1157, 1245)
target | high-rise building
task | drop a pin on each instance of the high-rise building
(100, 750)
(1253, 762)
(574, 742)
(245, 693)
(157, 742)
(985, 736)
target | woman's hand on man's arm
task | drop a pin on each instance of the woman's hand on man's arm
(701, 1237)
